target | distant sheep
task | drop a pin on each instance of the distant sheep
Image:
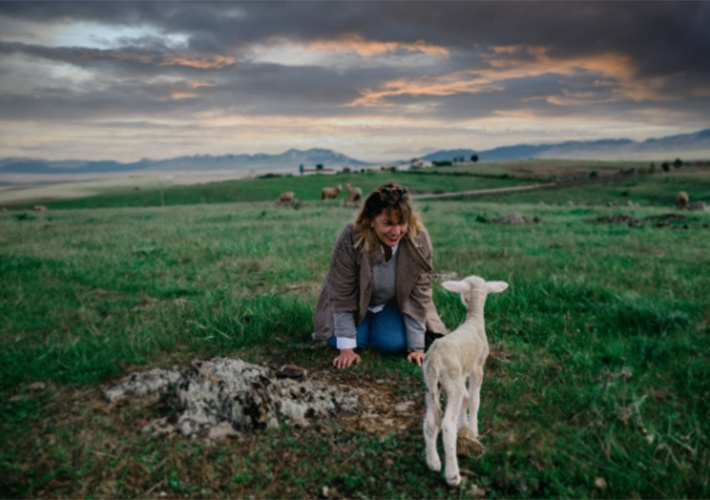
(287, 196)
(40, 208)
(354, 194)
(328, 192)
(450, 361)
(681, 200)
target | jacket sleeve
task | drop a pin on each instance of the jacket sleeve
(344, 273)
(421, 293)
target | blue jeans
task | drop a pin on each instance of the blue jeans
(383, 330)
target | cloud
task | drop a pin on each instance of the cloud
(307, 70)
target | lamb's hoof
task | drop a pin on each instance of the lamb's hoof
(454, 480)
(434, 464)
(467, 445)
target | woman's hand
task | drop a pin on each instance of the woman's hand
(416, 356)
(346, 358)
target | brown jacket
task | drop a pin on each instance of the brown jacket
(348, 285)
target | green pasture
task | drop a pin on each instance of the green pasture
(306, 188)
(604, 334)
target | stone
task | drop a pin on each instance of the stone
(37, 386)
(291, 371)
(698, 205)
(600, 483)
(220, 431)
(144, 384)
(467, 445)
(516, 218)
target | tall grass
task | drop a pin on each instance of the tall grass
(604, 328)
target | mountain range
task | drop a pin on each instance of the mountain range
(696, 141)
(291, 159)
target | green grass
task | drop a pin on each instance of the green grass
(86, 296)
(306, 188)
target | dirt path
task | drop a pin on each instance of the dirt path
(486, 191)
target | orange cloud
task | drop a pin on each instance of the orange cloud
(369, 48)
(212, 61)
(616, 70)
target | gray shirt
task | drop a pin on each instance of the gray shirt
(384, 286)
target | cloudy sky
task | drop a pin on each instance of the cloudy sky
(374, 80)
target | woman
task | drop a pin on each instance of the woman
(378, 289)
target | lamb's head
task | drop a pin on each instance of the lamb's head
(340, 188)
(474, 290)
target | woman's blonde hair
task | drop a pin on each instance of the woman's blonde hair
(374, 205)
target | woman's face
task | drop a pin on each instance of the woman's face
(389, 228)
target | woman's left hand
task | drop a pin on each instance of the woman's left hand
(416, 356)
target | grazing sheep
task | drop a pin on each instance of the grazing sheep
(327, 192)
(40, 208)
(451, 360)
(287, 196)
(355, 194)
(681, 199)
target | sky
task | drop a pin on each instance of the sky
(373, 80)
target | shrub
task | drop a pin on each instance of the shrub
(678, 163)
(665, 166)
(593, 174)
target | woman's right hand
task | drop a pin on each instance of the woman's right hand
(346, 358)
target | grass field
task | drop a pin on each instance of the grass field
(306, 188)
(604, 337)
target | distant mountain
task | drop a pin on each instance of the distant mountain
(290, 159)
(584, 149)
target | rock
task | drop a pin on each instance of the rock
(221, 431)
(291, 371)
(600, 483)
(151, 383)
(230, 392)
(699, 205)
(467, 445)
(242, 394)
(516, 218)
(616, 219)
(301, 422)
(40, 208)
(37, 386)
(329, 492)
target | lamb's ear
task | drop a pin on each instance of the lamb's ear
(495, 286)
(457, 286)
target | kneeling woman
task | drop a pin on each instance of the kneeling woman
(378, 289)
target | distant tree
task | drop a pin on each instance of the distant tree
(474, 158)
(677, 163)
(665, 166)
(652, 167)
(301, 169)
(414, 160)
(593, 174)
(444, 163)
(319, 166)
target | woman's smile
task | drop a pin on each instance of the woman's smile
(389, 228)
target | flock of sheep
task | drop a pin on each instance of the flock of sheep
(354, 194)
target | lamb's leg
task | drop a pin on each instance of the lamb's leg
(454, 398)
(432, 425)
(474, 387)
(463, 418)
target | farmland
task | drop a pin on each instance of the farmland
(602, 340)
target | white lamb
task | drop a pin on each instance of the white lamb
(451, 360)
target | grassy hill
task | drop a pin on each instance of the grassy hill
(602, 343)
